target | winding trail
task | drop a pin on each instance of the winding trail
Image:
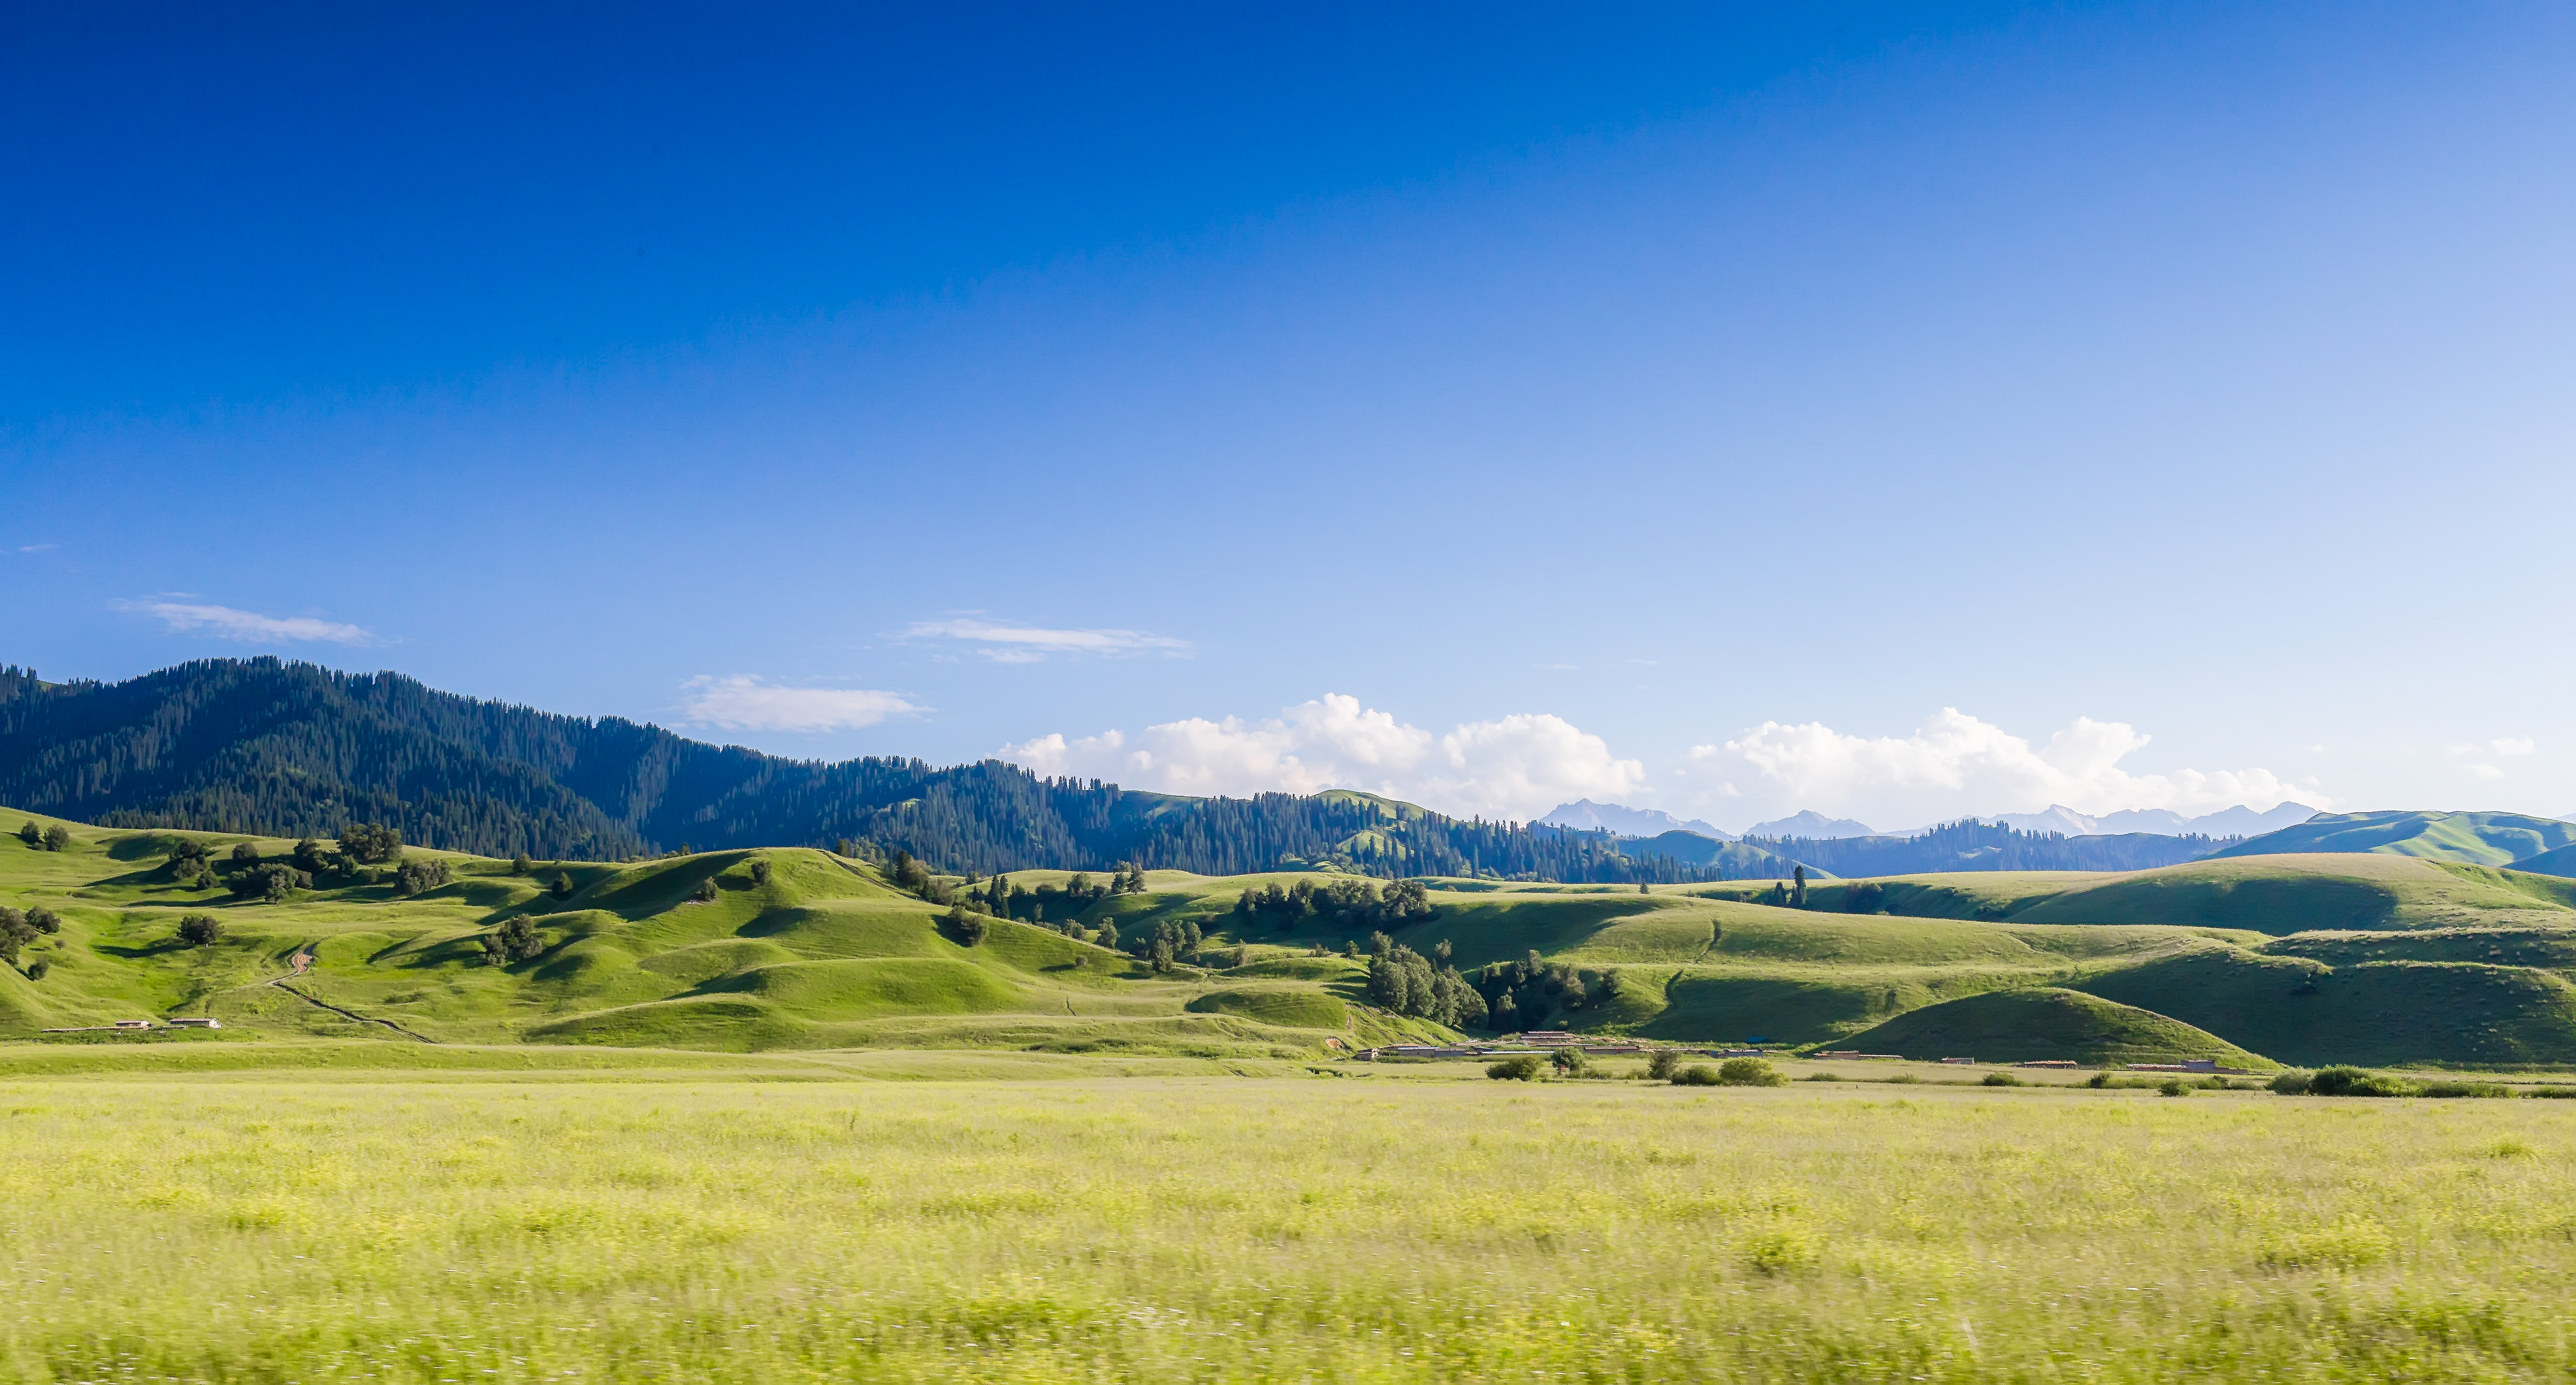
(302, 961)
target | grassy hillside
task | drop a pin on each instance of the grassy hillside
(2278, 894)
(822, 955)
(2042, 1023)
(2480, 839)
(2559, 862)
(2367, 957)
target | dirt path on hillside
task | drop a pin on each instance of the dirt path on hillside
(302, 961)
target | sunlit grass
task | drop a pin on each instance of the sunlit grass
(1362, 1229)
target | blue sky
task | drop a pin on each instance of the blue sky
(1899, 411)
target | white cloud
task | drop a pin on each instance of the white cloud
(1027, 644)
(2486, 772)
(1517, 766)
(1954, 765)
(745, 703)
(2504, 747)
(250, 627)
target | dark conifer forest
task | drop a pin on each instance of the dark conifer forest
(293, 749)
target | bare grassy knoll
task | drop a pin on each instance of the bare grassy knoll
(1372, 1228)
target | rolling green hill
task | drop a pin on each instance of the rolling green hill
(2043, 1022)
(2480, 839)
(822, 954)
(2267, 894)
(2363, 957)
(2560, 862)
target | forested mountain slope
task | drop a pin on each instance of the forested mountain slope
(1973, 845)
(291, 749)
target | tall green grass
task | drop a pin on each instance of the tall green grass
(1286, 1229)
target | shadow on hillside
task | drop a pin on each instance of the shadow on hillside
(143, 844)
(143, 953)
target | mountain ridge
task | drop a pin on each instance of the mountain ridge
(296, 749)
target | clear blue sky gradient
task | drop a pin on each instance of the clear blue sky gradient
(1672, 370)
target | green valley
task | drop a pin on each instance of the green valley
(2302, 959)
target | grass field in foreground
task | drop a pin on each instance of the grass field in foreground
(1291, 1228)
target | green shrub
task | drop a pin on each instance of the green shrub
(1822, 1077)
(562, 888)
(2344, 1081)
(31, 834)
(36, 969)
(1696, 1075)
(1902, 1079)
(1749, 1072)
(2290, 1084)
(420, 877)
(371, 845)
(521, 865)
(2462, 1089)
(2552, 1093)
(515, 941)
(1521, 1069)
(58, 838)
(760, 871)
(2098, 1081)
(1664, 1064)
(2002, 1079)
(1569, 1061)
(44, 920)
(705, 893)
(2174, 1086)
(198, 930)
(964, 928)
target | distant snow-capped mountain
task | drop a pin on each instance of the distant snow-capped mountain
(2163, 822)
(1807, 822)
(1587, 816)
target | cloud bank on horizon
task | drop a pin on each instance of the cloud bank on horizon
(1955, 764)
(1497, 768)
(1520, 766)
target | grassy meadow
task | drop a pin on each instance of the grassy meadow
(2297, 959)
(725, 1224)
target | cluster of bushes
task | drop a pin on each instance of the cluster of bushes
(1349, 902)
(514, 941)
(18, 928)
(1170, 941)
(266, 881)
(248, 875)
(201, 930)
(2343, 1081)
(1527, 993)
(1409, 983)
(371, 844)
(1002, 899)
(1667, 1066)
(54, 838)
(420, 877)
